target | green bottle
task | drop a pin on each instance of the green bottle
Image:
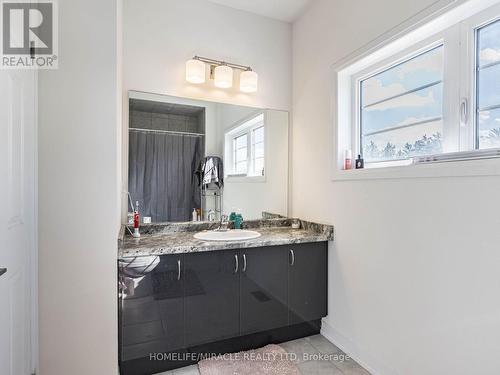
(238, 220)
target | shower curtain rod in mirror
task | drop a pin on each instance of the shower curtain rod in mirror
(167, 132)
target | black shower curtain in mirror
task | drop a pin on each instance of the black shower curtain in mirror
(162, 174)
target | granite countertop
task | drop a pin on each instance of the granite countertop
(177, 238)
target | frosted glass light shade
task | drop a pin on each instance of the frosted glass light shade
(223, 76)
(248, 81)
(195, 71)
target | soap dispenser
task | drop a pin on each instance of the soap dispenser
(238, 220)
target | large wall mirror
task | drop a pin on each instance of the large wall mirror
(214, 158)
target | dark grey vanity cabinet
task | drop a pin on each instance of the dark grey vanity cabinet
(151, 309)
(211, 299)
(168, 291)
(263, 289)
(218, 302)
(307, 282)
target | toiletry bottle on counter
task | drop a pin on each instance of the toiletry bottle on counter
(238, 220)
(195, 214)
(136, 233)
(347, 159)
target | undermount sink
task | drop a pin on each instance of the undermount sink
(229, 235)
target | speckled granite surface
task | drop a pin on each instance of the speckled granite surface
(270, 215)
(175, 238)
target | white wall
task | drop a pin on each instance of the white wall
(160, 35)
(413, 272)
(78, 193)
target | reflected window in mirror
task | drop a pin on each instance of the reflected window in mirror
(240, 147)
(245, 148)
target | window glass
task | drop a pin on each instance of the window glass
(402, 108)
(488, 86)
(240, 154)
(259, 135)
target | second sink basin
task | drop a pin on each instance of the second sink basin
(230, 235)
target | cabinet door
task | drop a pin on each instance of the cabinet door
(211, 296)
(152, 316)
(263, 286)
(307, 275)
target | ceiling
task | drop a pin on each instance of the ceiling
(283, 10)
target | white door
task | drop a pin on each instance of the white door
(17, 221)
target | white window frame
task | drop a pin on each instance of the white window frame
(236, 131)
(442, 26)
(468, 33)
(445, 38)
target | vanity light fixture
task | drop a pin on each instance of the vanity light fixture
(195, 71)
(223, 76)
(222, 73)
(248, 81)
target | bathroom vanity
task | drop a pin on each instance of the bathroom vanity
(181, 298)
(185, 290)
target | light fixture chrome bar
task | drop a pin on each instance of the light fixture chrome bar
(403, 94)
(434, 119)
(167, 132)
(489, 108)
(458, 156)
(220, 62)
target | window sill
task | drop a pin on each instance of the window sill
(467, 168)
(245, 179)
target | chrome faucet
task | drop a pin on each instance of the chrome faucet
(211, 215)
(223, 226)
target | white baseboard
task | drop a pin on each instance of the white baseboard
(371, 364)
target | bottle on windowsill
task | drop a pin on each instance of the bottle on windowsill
(347, 159)
(360, 163)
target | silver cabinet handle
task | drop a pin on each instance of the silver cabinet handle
(293, 257)
(244, 262)
(236, 263)
(2, 271)
(178, 269)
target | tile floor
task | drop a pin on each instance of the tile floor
(336, 364)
